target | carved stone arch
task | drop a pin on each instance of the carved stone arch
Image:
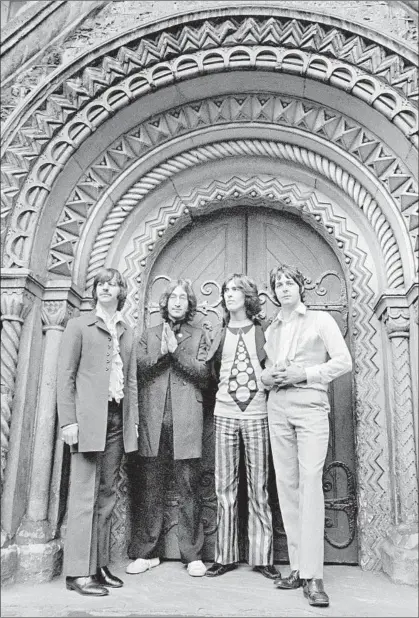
(285, 195)
(270, 149)
(290, 116)
(99, 92)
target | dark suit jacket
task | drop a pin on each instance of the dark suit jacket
(83, 381)
(216, 349)
(188, 374)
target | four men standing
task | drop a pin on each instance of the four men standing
(97, 405)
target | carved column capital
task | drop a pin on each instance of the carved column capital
(393, 309)
(15, 304)
(397, 322)
(55, 314)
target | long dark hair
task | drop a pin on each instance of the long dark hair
(164, 299)
(110, 274)
(249, 288)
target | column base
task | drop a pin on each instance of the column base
(399, 554)
(35, 563)
(9, 564)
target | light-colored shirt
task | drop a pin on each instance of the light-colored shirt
(116, 378)
(241, 394)
(312, 340)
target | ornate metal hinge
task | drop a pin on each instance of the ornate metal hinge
(347, 504)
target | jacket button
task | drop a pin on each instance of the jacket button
(108, 354)
(109, 338)
(107, 368)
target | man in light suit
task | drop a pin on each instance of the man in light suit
(171, 373)
(98, 413)
(305, 352)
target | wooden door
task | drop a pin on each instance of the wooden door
(253, 242)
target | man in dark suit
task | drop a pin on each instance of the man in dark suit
(171, 373)
(98, 412)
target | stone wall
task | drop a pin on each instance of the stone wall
(387, 17)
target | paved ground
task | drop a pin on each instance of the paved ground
(168, 590)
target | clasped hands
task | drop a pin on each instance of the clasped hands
(283, 376)
(168, 340)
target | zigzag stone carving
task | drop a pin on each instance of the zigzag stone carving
(266, 148)
(397, 325)
(373, 492)
(262, 108)
(98, 92)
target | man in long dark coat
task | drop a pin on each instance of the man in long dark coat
(171, 373)
(98, 412)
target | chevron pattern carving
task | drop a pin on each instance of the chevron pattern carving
(374, 477)
(261, 108)
(221, 150)
(263, 42)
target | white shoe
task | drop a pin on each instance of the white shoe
(197, 568)
(141, 565)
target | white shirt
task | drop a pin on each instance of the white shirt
(116, 378)
(312, 340)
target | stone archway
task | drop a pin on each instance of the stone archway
(107, 143)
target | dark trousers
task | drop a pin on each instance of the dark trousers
(149, 478)
(92, 497)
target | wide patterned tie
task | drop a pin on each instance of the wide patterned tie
(242, 384)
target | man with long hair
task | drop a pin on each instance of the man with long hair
(305, 352)
(237, 358)
(98, 412)
(171, 373)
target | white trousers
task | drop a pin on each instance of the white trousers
(299, 433)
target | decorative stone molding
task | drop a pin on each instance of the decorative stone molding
(237, 43)
(264, 148)
(263, 108)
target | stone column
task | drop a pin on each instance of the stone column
(20, 294)
(40, 552)
(400, 548)
(54, 317)
(14, 308)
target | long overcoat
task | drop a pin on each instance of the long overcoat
(188, 374)
(83, 381)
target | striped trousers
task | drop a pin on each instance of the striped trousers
(255, 436)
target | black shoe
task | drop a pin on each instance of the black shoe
(219, 569)
(289, 583)
(86, 585)
(267, 570)
(314, 592)
(105, 578)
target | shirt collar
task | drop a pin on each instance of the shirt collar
(300, 309)
(117, 316)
